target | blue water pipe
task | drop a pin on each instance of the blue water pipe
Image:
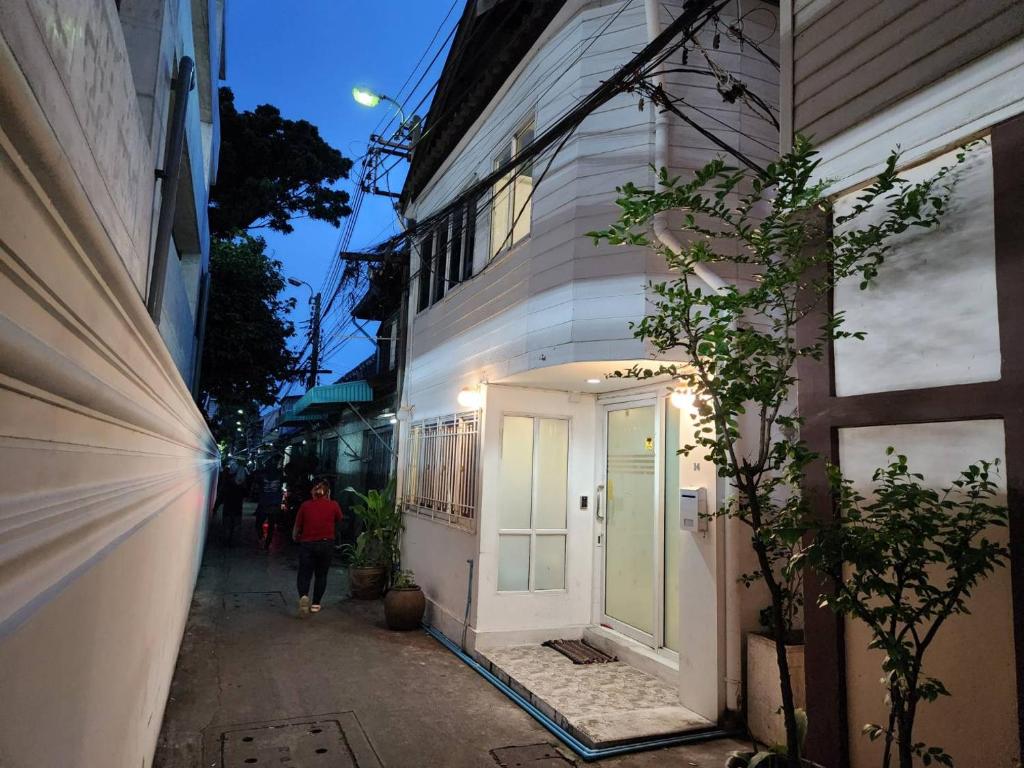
(581, 749)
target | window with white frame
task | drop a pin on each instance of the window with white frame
(511, 197)
(442, 469)
(533, 498)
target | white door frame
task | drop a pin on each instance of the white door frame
(656, 639)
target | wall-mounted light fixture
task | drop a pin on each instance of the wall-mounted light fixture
(682, 398)
(471, 398)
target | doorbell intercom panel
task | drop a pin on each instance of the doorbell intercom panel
(693, 510)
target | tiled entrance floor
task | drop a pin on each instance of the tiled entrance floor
(600, 704)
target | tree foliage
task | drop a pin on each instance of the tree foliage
(903, 563)
(246, 351)
(273, 170)
(741, 341)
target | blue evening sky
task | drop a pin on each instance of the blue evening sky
(304, 57)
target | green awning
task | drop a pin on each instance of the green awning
(331, 398)
(289, 418)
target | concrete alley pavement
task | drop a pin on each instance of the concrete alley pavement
(375, 697)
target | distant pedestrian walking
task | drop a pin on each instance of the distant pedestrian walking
(315, 531)
(269, 510)
(231, 496)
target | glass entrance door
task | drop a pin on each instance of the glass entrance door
(632, 522)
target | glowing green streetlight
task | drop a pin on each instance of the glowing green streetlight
(365, 96)
(369, 98)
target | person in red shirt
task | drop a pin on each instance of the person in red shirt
(314, 531)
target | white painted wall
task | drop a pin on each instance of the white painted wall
(931, 317)
(106, 464)
(973, 654)
(702, 589)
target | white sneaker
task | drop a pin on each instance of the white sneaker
(314, 608)
(304, 605)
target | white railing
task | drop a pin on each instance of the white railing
(443, 469)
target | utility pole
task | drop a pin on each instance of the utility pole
(314, 343)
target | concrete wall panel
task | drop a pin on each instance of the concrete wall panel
(973, 654)
(931, 317)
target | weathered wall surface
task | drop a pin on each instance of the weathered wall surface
(106, 465)
(973, 655)
(933, 326)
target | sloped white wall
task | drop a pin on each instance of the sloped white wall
(106, 465)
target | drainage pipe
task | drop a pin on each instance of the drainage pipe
(662, 122)
(668, 238)
(581, 749)
(469, 602)
(184, 81)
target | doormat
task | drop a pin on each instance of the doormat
(580, 652)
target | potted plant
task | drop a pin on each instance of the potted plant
(366, 576)
(375, 551)
(404, 603)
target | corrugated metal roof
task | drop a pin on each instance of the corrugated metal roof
(329, 397)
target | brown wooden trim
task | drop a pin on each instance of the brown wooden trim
(825, 414)
(824, 633)
(1008, 190)
(960, 402)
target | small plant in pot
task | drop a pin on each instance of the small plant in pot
(404, 603)
(774, 756)
(376, 548)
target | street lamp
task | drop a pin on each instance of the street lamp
(368, 98)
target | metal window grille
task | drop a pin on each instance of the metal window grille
(443, 468)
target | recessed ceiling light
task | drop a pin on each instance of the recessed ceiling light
(593, 381)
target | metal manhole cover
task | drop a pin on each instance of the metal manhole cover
(530, 756)
(320, 741)
(236, 601)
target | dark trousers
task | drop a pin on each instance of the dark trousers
(314, 561)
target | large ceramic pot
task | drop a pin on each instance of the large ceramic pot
(403, 608)
(764, 687)
(367, 583)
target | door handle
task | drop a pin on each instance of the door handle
(597, 503)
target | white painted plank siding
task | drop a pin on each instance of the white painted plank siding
(523, 309)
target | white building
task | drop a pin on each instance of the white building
(561, 485)
(106, 464)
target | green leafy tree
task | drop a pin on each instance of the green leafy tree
(903, 563)
(741, 342)
(273, 170)
(246, 351)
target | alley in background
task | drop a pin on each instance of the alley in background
(400, 699)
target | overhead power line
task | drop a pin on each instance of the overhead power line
(625, 78)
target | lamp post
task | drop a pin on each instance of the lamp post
(314, 331)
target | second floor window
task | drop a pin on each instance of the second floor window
(446, 254)
(511, 198)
